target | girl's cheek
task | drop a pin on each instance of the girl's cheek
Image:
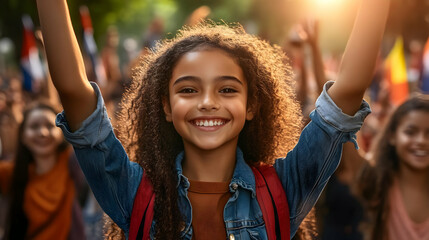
(59, 135)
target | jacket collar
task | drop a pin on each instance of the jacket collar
(242, 176)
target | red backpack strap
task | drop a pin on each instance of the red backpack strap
(142, 214)
(266, 204)
(270, 190)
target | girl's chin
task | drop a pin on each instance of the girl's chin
(43, 152)
(208, 147)
(213, 145)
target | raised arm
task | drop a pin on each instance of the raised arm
(65, 61)
(358, 63)
(49, 92)
(311, 30)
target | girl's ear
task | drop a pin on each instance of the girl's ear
(167, 109)
(250, 113)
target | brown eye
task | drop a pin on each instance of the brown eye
(187, 90)
(409, 131)
(34, 126)
(228, 90)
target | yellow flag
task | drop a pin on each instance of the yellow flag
(396, 73)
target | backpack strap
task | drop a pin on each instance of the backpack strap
(273, 202)
(143, 210)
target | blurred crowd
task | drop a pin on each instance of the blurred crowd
(339, 211)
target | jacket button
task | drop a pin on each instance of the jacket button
(234, 186)
(231, 237)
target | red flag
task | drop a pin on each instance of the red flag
(90, 47)
(31, 65)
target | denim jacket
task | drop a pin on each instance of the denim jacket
(303, 172)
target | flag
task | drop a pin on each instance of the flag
(31, 65)
(425, 77)
(396, 73)
(98, 73)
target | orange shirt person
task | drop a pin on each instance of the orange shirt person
(39, 182)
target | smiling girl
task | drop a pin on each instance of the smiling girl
(39, 183)
(203, 108)
(395, 185)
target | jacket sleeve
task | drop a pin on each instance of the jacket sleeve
(307, 168)
(112, 177)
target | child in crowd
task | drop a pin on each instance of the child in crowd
(203, 108)
(394, 185)
(40, 182)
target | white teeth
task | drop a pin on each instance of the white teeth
(420, 153)
(209, 123)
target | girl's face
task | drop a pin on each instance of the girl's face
(208, 99)
(40, 135)
(411, 140)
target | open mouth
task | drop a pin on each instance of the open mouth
(420, 153)
(209, 122)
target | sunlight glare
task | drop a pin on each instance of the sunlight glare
(327, 2)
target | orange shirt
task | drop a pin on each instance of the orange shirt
(48, 199)
(6, 171)
(399, 224)
(208, 200)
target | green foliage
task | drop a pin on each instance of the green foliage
(132, 17)
(271, 18)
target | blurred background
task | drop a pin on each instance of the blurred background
(271, 19)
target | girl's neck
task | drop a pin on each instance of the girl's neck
(45, 163)
(413, 186)
(215, 165)
(413, 179)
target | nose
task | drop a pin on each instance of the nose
(43, 131)
(422, 138)
(208, 102)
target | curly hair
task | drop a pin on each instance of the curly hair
(153, 142)
(377, 176)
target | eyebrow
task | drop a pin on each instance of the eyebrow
(197, 79)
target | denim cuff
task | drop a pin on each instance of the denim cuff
(333, 115)
(93, 130)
